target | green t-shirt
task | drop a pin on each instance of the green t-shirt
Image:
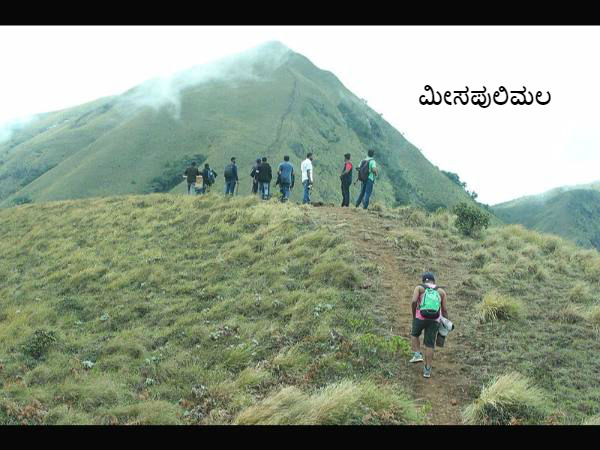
(372, 165)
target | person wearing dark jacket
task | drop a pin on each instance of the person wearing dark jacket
(253, 175)
(208, 178)
(191, 173)
(264, 177)
(231, 177)
(346, 177)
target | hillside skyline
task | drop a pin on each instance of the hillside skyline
(386, 66)
(268, 101)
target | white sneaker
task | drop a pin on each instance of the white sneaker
(417, 357)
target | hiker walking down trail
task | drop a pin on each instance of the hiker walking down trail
(346, 178)
(285, 177)
(264, 177)
(428, 307)
(367, 171)
(208, 178)
(307, 177)
(191, 173)
(231, 177)
(253, 175)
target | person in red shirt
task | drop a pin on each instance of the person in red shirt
(346, 178)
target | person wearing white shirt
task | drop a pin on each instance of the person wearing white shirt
(307, 177)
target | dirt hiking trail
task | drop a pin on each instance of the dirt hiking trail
(443, 396)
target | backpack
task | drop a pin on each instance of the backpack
(210, 176)
(363, 170)
(430, 303)
(229, 171)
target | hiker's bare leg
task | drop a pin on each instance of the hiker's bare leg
(428, 356)
(416, 344)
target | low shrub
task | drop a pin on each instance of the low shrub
(470, 220)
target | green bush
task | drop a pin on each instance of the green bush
(39, 343)
(470, 220)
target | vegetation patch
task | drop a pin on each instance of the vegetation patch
(510, 399)
(495, 306)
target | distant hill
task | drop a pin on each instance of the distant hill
(570, 212)
(268, 101)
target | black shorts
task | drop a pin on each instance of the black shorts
(430, 327)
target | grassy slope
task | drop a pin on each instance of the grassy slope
(192, 310)
(572, 214)
(50, 140)
(291, 111)
(167, 296)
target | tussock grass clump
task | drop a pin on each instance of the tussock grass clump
(480, 257)
(441, 219)
(336, 273)
(151, 412)
(417, 218)
(496, 306)
(508, 400)
(413, 241)
(549, 244)
(580, 293)
(412, 216)
(571, 314)
(592, 268)
(377, 207)
(346, 402)
(594, 315)
(595, 420)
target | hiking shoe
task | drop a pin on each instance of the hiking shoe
(417, 357)
(427, 372)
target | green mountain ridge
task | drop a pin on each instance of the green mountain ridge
(570, 212)
(269, 101)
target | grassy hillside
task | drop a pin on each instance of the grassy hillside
(571, 213)
(133, 144)
(170, 309)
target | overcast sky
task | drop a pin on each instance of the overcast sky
(502, 152)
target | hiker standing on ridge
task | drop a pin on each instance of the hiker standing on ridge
(428, 306)
(191, 173)
(285, 174)
(208, 178)
(367, 171)
(253, 175)
(264, 177)
(231, 177)
(346, 178)
(307, 177)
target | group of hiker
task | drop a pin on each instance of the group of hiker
(429, 310)
(262, 175)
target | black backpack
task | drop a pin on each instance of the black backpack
(229, 171)
(363, 170)
(209, 175)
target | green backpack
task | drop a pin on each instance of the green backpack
(430, 303)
